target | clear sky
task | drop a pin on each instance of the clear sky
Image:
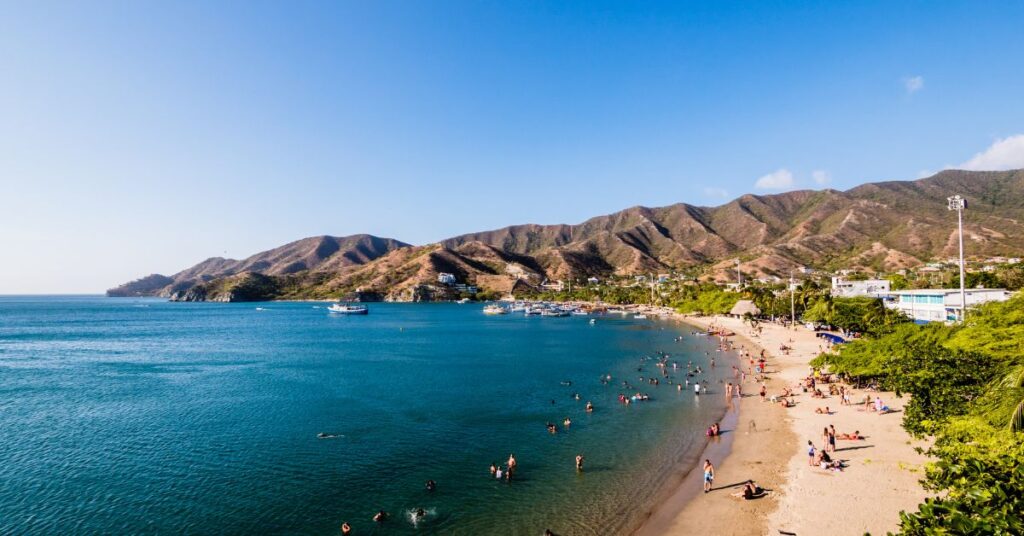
(137, 137)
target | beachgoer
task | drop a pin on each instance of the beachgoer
(431, 485)
(810, 453)
(709, 475)
(494, 468)
(512, 465)
(590, 407)
(498, 473)
(380, 516)
(346, 529)
(579, 462)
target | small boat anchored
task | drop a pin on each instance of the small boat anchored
(348, 309)
(495, 310)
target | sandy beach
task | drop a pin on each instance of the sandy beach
(769, 445)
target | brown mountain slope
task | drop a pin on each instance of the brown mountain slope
(318, 253)
(882, 226)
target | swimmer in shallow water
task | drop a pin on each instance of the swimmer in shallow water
(431, 485)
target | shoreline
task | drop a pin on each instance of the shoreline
(686, 510)
(769, 447)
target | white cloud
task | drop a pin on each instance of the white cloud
(716, 192)
(1007, 153)
(821, 177)
(779, 180)
(913, 84)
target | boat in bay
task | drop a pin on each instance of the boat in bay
(348, 309)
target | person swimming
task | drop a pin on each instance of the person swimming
(325, 435)
(590, 407)
(380, 516)
(431, 485)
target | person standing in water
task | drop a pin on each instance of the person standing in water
(579, 462)
(709, 475)
(510, 471)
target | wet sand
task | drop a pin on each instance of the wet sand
(768, 445)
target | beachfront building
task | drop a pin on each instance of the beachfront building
(875, 288)
(941, 305)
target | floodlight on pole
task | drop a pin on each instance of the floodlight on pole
(958, 204)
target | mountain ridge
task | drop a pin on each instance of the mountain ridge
(878, 226)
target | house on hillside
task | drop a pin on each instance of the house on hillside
(875, 288)
(446, 278)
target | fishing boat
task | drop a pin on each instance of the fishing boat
(495, 310)
(348, 309)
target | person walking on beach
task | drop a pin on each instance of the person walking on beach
(709, 475)
(810, 453)
(579, 462)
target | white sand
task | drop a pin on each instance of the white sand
(882, 474)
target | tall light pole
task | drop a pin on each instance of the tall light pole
(958, 204)
(739, 276)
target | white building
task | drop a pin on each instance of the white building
(941, 305)
(875, 288)
(446, 278)
(557, 286)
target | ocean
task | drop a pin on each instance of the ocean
(140, 416)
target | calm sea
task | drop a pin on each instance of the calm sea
(127, 416)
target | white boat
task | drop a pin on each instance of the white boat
(580, 312)
(463, 300)
(495, 310)
(553, 312)
(348, 309)
(640, 317)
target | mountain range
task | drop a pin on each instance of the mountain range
(879, 226)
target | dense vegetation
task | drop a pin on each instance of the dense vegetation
(967, 391)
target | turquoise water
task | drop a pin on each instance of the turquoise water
(141, 416)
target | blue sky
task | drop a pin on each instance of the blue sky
(139, 138)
